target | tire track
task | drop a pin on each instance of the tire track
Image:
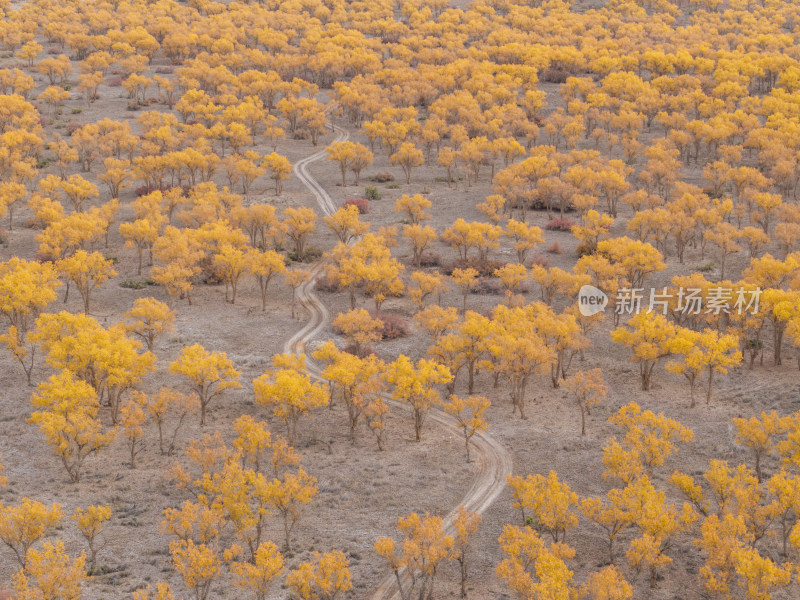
(494, 461)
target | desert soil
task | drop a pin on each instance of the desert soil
(363, 491)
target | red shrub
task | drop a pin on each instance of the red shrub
(362, 204)
(486, 286)
(485, 268)
(365, 350)
(326, 284)
(147, 189)
(540, 260)
(394, 326)
(560, 224)
(430, 259)
(555, 75)
(554, 248)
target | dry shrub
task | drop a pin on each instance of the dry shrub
(540, 260)
(484, 267)
(486, 286)
(362, 204)
(560, 224)
(326, 284)
(394, 326)
(430, 259)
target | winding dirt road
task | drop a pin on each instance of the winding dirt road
(494, 461)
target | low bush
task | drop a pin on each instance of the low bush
(705, 268)
(326, 284)
(487, 286)
(382, 177)
(362, 204)
(312, 253)
(136, 284)
(430, 259)
(365, 350)
(555, 75)
(394, 326)
(540, 260)
(143, 190)
(560, 224)
(485, 267)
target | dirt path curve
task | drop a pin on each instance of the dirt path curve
(493, 460)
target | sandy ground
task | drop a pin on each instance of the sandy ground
(363, 491)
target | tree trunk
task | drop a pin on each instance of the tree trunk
(645, 370)
(710, 384)
(159, 424)
(463, 564)
(286, 532)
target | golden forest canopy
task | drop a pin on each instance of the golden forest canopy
(675, 124)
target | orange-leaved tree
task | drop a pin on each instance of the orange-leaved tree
(23, 525)
(414, 384)
(425, 547)
(90, 522)
(648, 335)
(289, 391)
(148, 319)
(87, 270)
(68, 419)
(210, 374)
(322, 579)
(588, 389)
(469, 414)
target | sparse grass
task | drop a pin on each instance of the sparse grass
(136, 284)
(705, 268)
